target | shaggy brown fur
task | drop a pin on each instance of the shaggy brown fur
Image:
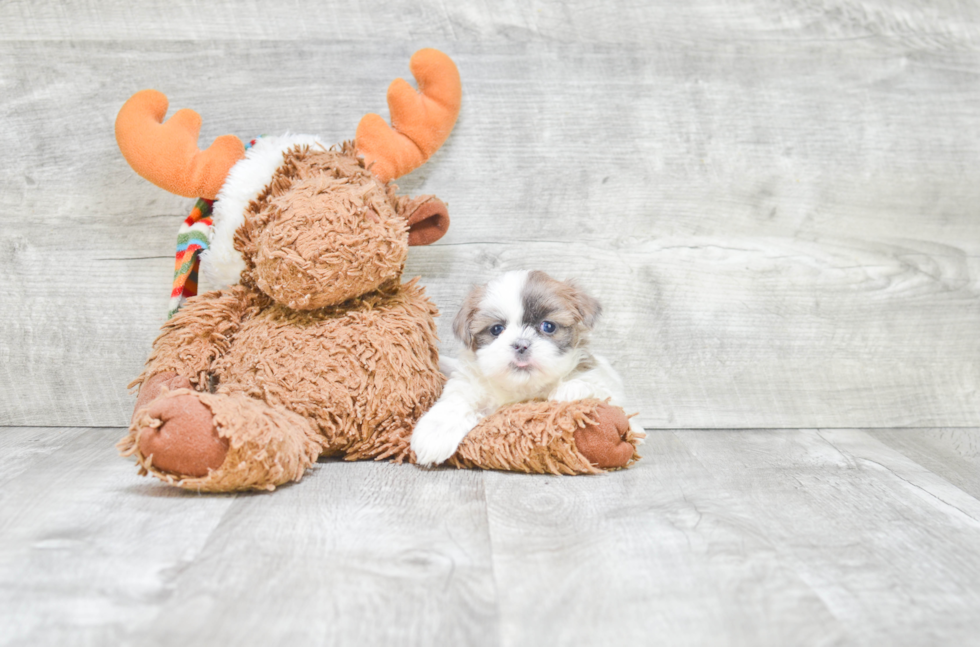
(320, 350)
(324, 231)
(267, 446)
(546, 437)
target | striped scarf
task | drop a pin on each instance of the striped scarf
(192, 239)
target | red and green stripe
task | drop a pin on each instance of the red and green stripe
(192, 239)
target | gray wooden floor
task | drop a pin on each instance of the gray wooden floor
(775, 200)
(773, 537)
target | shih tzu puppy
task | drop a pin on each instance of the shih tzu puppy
(525, 337)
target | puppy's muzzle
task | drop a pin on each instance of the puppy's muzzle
(522, 348)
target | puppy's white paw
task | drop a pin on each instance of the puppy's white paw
(437, 435)
(573, 390)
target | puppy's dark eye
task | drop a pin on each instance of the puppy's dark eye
(547, 327)
(496, 329)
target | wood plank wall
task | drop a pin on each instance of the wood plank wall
(775, 200)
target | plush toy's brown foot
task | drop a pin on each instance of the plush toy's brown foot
(217, 442)
(605, 444)
(580, 437)
(186, 442)
(154, 386)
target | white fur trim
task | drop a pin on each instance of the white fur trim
(221, 263)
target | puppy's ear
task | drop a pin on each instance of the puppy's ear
(461, 324)
(586, 307)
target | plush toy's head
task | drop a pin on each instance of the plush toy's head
(307, 224)
(323, 228)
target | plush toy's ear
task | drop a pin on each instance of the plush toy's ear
(428, 218)
(420, 121)
(166, 153)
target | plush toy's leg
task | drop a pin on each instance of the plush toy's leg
(186, 442)
(578, 437)
(220, 443)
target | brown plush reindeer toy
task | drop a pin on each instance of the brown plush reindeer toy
(314, 347)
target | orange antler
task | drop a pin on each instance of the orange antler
(422, 120)
(167, 153)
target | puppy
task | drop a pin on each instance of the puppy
(525, 337)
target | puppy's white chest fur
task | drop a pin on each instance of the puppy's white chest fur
(525, 337)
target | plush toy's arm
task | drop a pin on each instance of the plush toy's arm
(193, 339)
(548, 437)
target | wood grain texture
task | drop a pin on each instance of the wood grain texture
(777, 537)
(740, 538)
(940, 24)
(361, 554)
(953, 454)
(87, 550)
(365, 553)
(862, 507)
(657, 553)
(807, 260)
(775, 201)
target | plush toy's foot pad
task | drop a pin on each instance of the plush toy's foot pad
(605, 444)
(219, 442)
(186, 442)
(151, 389)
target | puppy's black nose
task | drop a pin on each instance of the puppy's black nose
(521, 346)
